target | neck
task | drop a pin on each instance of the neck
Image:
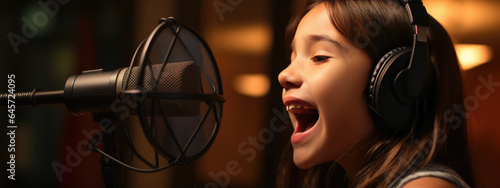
(352, 160)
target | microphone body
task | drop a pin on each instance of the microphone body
(100, 91)
(92, 91)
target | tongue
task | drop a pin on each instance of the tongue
(311, 124)
(306, 121)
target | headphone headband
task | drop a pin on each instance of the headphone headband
(416, 68)
(416, 12)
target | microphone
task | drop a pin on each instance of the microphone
(173, 86)
(102, 91)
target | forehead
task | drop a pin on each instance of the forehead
(318, 13)
(317, 22)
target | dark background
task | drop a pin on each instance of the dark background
(247, 39)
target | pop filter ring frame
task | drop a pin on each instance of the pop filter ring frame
(208, 98)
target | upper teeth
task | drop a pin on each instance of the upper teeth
(292, 106)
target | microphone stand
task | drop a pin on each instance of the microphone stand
(111, 171)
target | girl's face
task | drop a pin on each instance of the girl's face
(323, 92)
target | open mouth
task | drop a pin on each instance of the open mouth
(306, 117)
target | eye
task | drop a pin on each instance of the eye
(320, 58)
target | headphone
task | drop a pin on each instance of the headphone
(397, 82)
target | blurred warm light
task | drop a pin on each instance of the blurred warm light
(473, 55)
(443, 11)
(464, 17)
(253, 85)
(249, 39)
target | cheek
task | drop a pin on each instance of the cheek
(342, 106)
(335, 87)
(340, 101)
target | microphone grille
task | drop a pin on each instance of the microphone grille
(175, 77)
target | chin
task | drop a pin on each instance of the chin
(305, 158)
(303, 162)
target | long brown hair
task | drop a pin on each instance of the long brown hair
(378, 26)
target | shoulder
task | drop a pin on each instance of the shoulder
(430, 182)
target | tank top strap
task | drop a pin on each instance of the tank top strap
(434, 170)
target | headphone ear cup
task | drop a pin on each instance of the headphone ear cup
(384, 95)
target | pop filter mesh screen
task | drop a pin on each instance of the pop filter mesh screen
(178, 128)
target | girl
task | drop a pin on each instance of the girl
(340, 138)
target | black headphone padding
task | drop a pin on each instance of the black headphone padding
(385, 96)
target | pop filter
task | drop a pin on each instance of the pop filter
(185, 132)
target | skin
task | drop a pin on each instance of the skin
(330, 73)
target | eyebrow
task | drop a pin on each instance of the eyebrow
(317, 38)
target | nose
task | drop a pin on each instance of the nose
(289, 78)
